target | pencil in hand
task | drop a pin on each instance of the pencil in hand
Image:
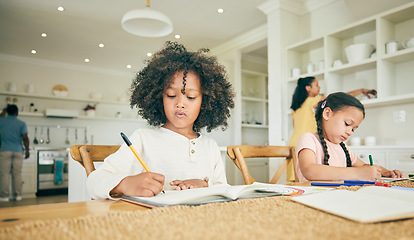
(129, 144)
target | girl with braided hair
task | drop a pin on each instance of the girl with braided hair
(324, 156)
(304, 100)
(179, 92)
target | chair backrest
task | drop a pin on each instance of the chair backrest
(238, 153)
(87, 154)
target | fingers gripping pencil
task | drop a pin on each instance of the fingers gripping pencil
(129, 144)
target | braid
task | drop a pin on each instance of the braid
(348, 158)
(318, 118)
(336, 102)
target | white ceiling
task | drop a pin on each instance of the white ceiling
(74, 34)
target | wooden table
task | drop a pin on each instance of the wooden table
(16, 215)
(269, 218)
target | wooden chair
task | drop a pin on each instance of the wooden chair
(87, 154)
(238, 153)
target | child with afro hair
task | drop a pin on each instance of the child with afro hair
(178, 92)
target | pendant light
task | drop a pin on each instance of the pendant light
(146, 22)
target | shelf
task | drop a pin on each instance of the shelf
(253, 99)
(316, 74)
(245, 125)
(400, 56)
(110, 119)
(30, 114)
(307, 45)
(62, 98)
(348, 68)
(355, 29)
(37, 114)
(388, 101)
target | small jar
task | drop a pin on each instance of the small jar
(32, 107)
(310, 68)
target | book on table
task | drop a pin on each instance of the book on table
(220, 193)
(368, 204)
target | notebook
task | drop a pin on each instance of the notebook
(220, 193)
(368, 204)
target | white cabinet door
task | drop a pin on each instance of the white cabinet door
(402, 160)
(378, 157)
(29, 175)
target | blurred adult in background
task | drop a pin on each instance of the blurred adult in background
(13, 135)
(304, 100)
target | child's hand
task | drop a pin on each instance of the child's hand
(392, 174)
(368, 172)
(145, 184)
(187, 184)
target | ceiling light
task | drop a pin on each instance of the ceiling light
(86, 60)
(146, 22)
(33, 51)
(220, 10)
(61, 9)
(129, 66)
(44, 35)
(101, 45)
(149, 54)
(177, 36)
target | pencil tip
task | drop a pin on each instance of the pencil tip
(163, 191)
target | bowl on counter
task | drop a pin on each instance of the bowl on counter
(358, 52)
(60, 90)
(59, 93)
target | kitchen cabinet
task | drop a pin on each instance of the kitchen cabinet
(388, 73)
(29, 175)
(106, 109)
(390, 157)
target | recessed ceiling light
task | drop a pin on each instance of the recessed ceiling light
(220, 10)
(61, 9)
(101, 45)
(149, 54)
(33, 51)
(129, 66)
(177, 36)
(44, 35)
(86, 60)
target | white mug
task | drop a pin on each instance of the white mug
(337, 63)
(321, 65)
(12, 87)
(391, 47)
(295, 72)
(310, 68)
(355, 141)
(370, 141)
(30, 88)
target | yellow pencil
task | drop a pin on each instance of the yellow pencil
(129, 144)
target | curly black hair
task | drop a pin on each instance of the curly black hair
(152, 81)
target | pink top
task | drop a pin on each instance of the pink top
(337, 157)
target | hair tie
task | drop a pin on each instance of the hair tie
(323, 104)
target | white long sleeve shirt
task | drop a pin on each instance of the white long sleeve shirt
(165, 152)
